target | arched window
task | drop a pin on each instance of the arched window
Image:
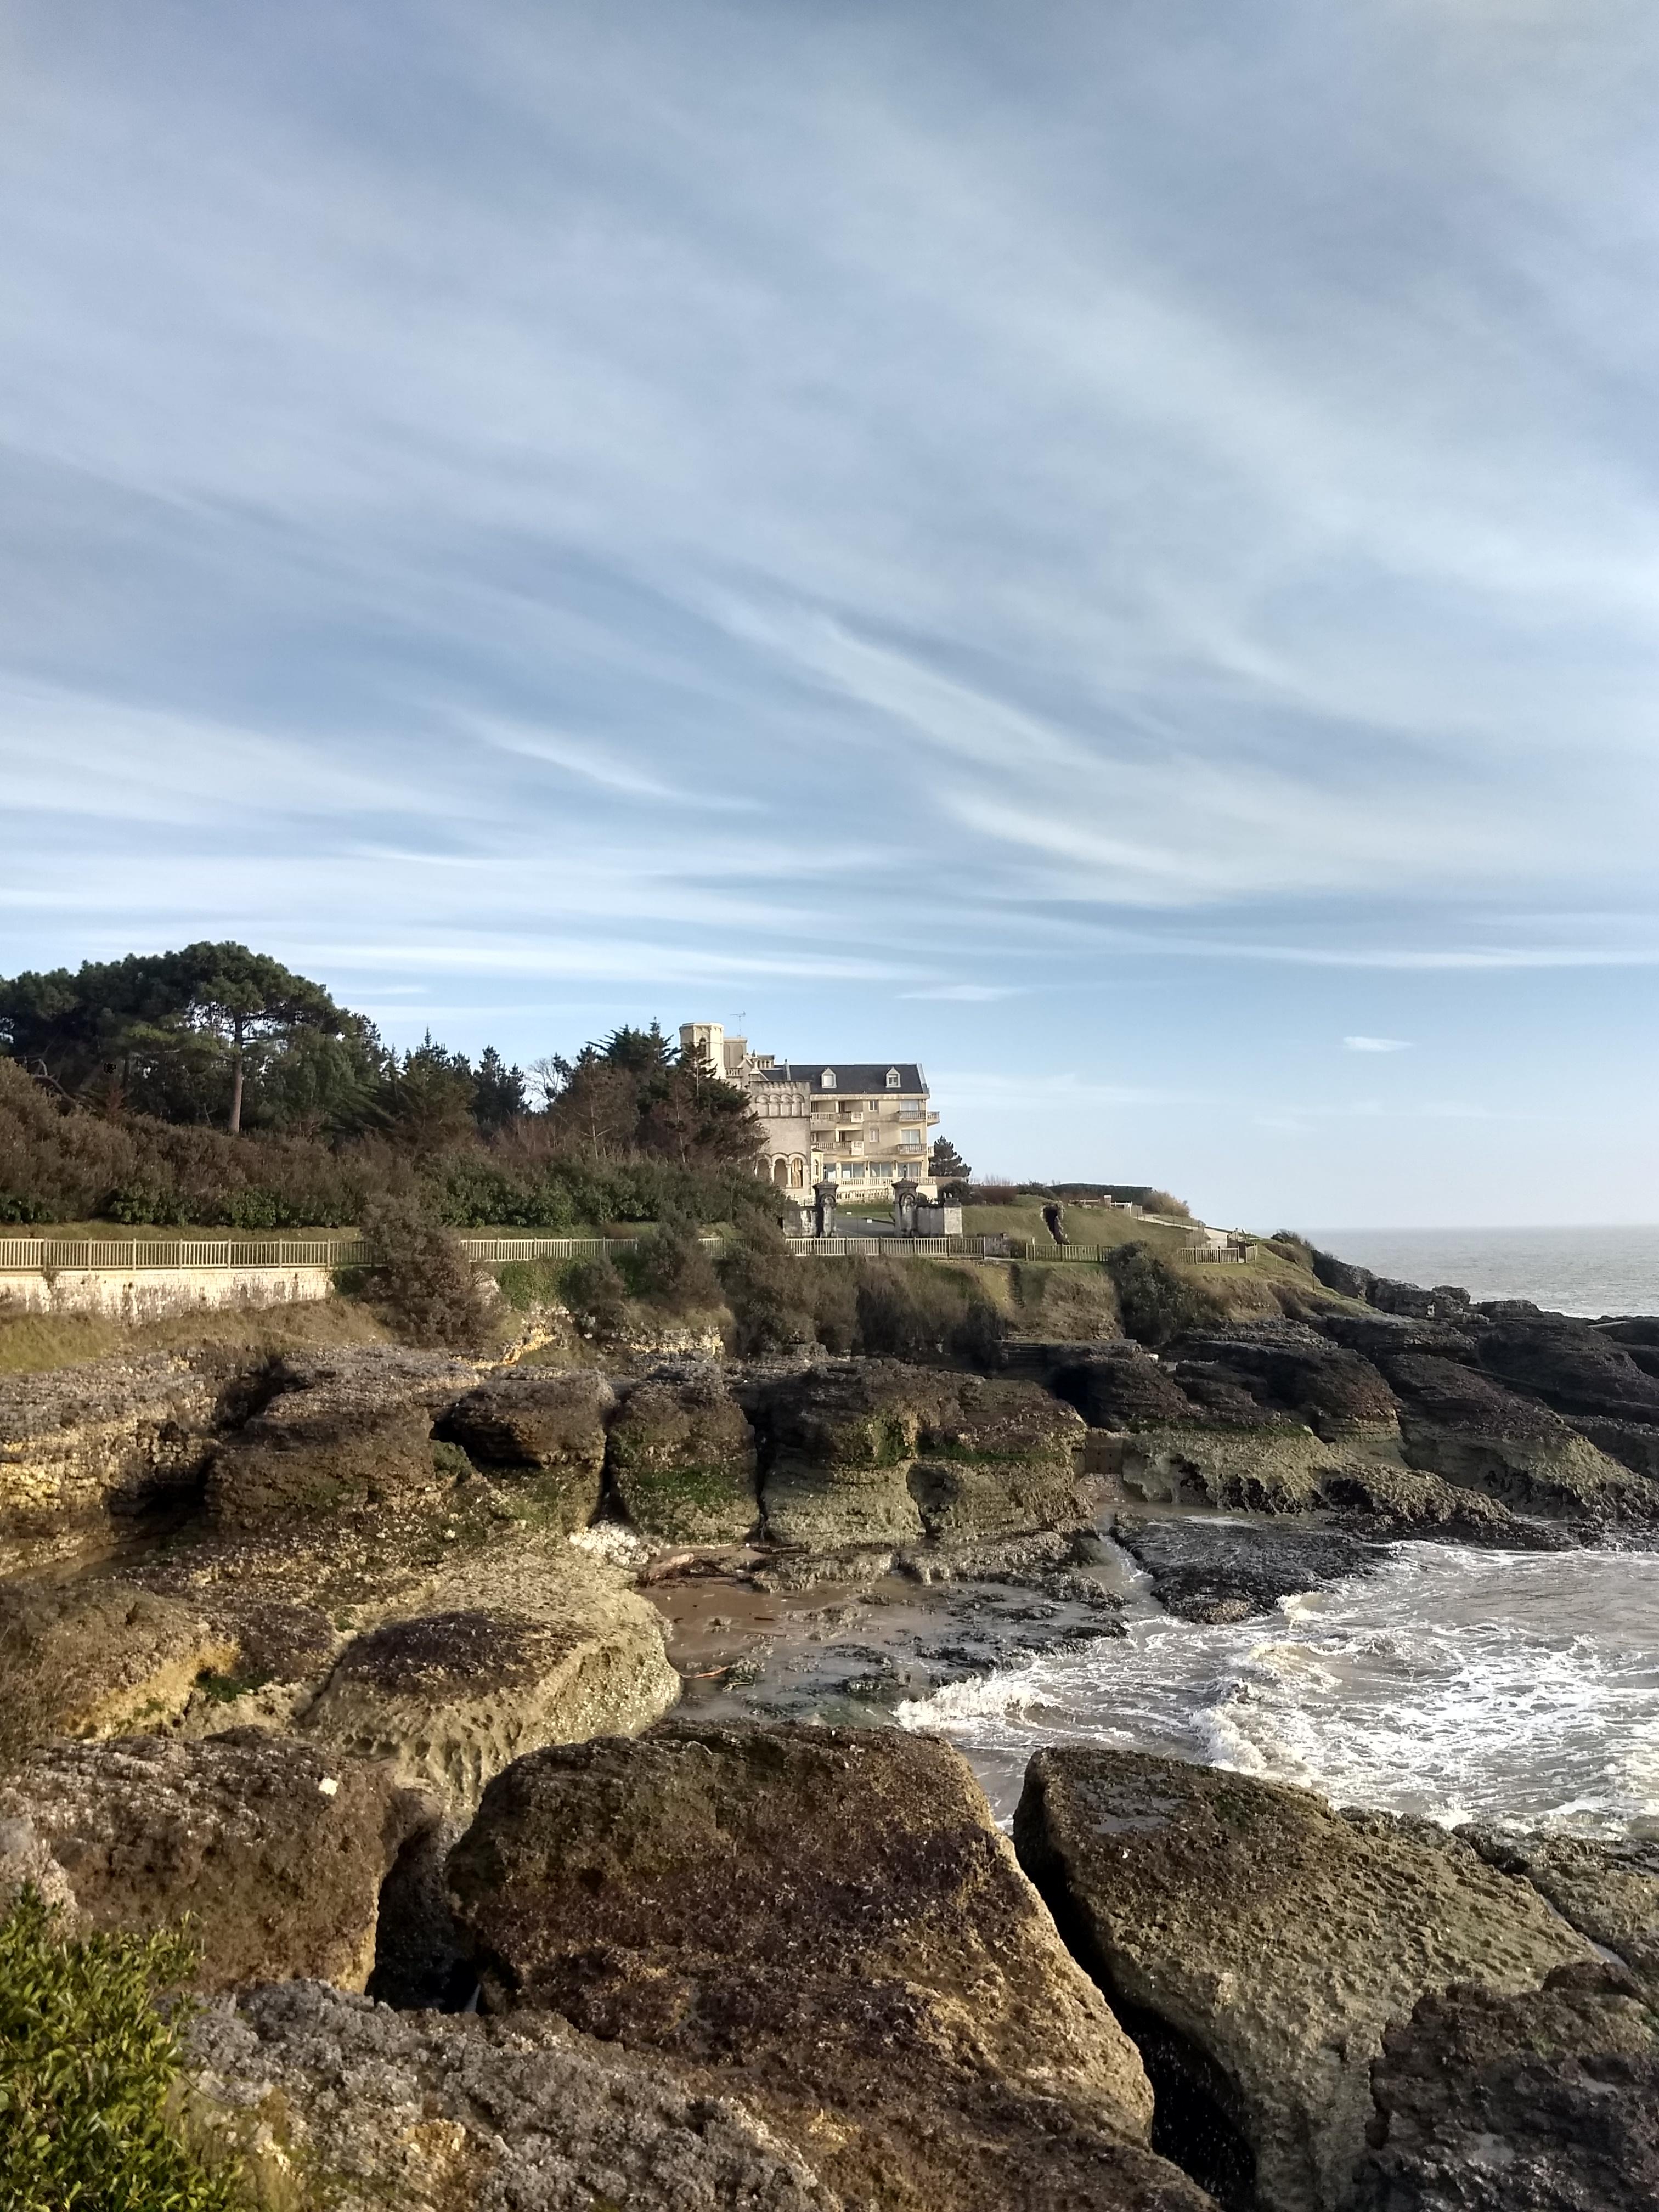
(798, 1175)
(828, 1078)
(892, 1078)
(780, 1172)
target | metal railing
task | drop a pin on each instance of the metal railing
(39, 1255)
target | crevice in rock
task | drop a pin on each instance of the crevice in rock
(421, 1962)
(1193, 2099)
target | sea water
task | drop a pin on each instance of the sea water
(1573, 1271)
(1461, 1685)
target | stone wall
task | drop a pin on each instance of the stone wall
(138, 1294)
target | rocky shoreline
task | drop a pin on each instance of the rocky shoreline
(370, 1661)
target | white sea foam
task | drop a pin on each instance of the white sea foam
(1457, 1684)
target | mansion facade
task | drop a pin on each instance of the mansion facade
(860, 1125)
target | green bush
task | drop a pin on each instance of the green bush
(920, 1311)
(1156, 1304)
(89, 2058)
(595, 1295)
(769, 1292)
(672, 1269)
(429, 1291)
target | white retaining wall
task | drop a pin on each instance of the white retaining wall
(136, 1294)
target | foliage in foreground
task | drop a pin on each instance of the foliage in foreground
(88, 2063)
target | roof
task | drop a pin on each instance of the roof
(849, 1074)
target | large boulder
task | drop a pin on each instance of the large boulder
(1261, 1943)
(544, 1433)
(83, 1447)
(828, 1924)
(1569, 1364)
(680, 1460)
(871, 1451)
(345, 1434)
(1459, 1423)
(1002, 1459)
(432, 2113)
(1543, 2102)
(95, 1658)
(842, 1440)
(1289, 1368)
(1120, 1386)
(1608, 1887)
(276, 1849)
(536, 1645)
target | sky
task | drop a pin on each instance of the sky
(1112, 549)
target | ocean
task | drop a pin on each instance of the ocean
(1574, 1271)
(1521, 1688)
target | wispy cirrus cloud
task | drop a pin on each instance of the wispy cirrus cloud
(1376, 1044)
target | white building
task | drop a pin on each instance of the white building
(861, 1125)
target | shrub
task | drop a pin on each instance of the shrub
(1157, 1305)
(1163, 1201)
(769, 1292)
(673, 1271)
(922, 1312)
(88, 2065)
(595, 1295)
(429, 1291)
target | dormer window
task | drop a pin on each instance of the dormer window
(828, 1078)
(892, 1078)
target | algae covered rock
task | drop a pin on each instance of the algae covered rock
(680, 1460)
(827, 1924)
(94, 1658)
(545, 1433)
(1608, 1887)
(345, 1434)
(1000, 1459)
(842, 1439)
(1547, 2101)
(541, 1646)
(1260, 1944)
(277, 1850)
(1222, 1571)
(1459, 1423)
(432, 2113)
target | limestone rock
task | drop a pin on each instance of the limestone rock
(432, 2113)
(94, 1658)
(544, 1646)
(547, 1432)
(871, 1451)
(1001, 1459)
(347, 1433)
(1459, 1423)
(1607, 1888)
(1569, 1364)
(1265, 1942)
(1544, 2102)
(1120, 1386)
(681, 1459)
(828, 1924)
(1288, 1368)
(277, 1850)
(1215, 1570)
(842, 1439)
(82, 1446)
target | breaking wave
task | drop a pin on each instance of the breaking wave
(1453, 1683)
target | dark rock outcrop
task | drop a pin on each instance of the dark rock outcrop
(1000, 1459)
(680, 1460)
(1609, 1889)
(94, 1658)
(1287, 1368)
(828, 1924)
(1262, 1942)
(1220, 1570)
(348, 1433)
(1457, 1422)
(546, 1432)
(277, 1850)
(1569, 1365)
(1546, 2101)
(432, 2113)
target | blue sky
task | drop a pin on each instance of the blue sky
(1114, 549)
